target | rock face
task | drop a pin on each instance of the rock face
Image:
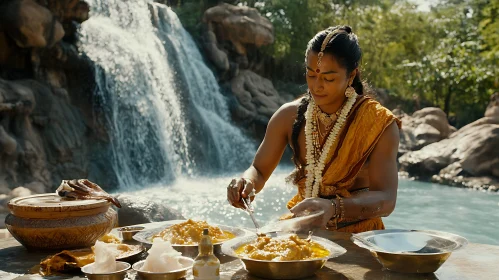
(256, 96)
(426, 126)
(238, 24)
(48, 130)
(137, 210)
(231, 38)
(468, 158)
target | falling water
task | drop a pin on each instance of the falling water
(166, 115)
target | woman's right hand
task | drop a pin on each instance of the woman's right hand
(240, 188)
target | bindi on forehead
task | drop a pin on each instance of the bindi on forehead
(318, 71)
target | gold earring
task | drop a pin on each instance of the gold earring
(350, 92)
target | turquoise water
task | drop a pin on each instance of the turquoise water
(472, 214)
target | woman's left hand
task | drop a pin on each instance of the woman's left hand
(315, 204)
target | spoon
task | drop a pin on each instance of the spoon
(250, 210)
(309, 237)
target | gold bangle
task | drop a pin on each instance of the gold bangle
(335, 217)
(342, 208)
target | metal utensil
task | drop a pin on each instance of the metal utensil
(410, 251)
(309, 237)
(128, 232)
(250, 210)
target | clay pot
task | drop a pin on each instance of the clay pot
(49, 222)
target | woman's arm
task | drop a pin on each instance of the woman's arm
(380, 200)
(267, 156)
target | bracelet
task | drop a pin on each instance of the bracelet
(335, 208)
(335, 217)
(342, 208)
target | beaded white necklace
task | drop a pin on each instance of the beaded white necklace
(314, 169)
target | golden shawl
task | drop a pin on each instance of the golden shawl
(364, 126)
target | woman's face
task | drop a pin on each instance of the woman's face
(327, 85)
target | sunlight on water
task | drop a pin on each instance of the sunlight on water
(472, 214)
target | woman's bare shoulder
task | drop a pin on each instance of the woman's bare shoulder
(287, 112)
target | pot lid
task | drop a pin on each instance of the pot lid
(51, 202)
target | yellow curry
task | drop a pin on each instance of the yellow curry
(291, 248)
(190, 233)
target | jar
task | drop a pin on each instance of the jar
(50, 222)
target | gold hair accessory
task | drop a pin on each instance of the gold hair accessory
(324, 44)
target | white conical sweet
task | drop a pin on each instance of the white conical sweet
(162, 257)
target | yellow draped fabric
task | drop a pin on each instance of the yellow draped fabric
(364, 126)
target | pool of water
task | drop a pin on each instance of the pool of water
(472, 214)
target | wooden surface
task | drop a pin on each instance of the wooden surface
(476, 261)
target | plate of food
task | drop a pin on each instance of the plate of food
(282, 256)
(68, 261)
(185, 235)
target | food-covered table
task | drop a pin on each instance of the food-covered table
(476, 261)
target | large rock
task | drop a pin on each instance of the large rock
(68, 10)
(139, 210)
(30, 24)
(239, 24)
(454, 175)
(49, 129)
(44, 139)
(426, 126)
(469, 157)
(256, 96)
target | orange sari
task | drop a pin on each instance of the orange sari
(361, 132)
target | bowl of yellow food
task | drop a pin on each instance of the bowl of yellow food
(283, 256)
(185, 236)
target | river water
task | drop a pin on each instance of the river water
(471, 214)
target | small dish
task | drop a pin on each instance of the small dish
(119, 274)
(127, 233)
(186, 262)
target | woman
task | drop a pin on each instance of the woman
(344, 143)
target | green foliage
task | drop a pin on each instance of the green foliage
(446, 57)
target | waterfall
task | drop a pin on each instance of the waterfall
(163, 106)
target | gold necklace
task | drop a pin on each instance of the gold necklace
(327, 119)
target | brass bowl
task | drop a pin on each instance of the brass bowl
(119, 274)
(410, 251)
(282, 269)
(49, 222)
(126, 233)
(171, 275)
(145, 237)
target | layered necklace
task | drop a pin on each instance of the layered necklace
(316, 157)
